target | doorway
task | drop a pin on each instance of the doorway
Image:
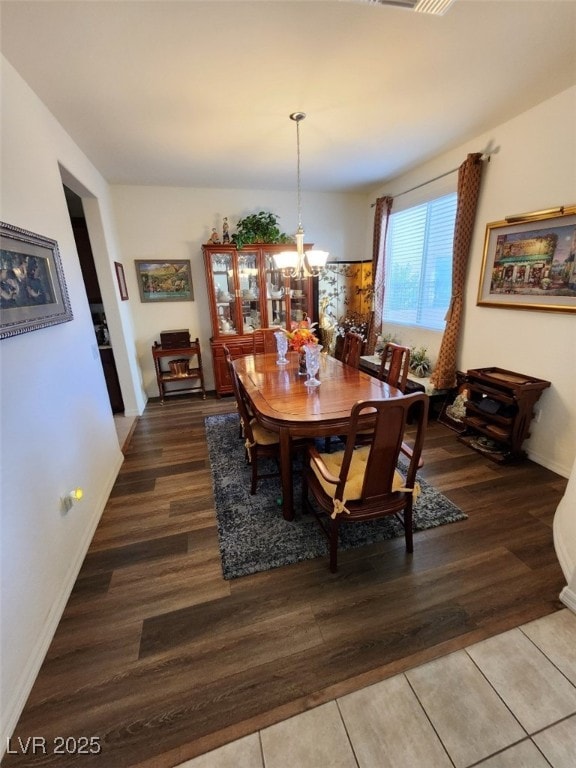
(90, 276)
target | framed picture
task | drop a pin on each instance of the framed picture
(121, 277)
(530, 262)
(33, 291)
(164, 280)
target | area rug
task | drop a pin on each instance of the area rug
(252, 532)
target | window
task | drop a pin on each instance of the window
(418, 271)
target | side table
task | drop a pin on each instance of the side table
(186, 368)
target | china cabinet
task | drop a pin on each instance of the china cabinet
(499, 410)
(246, 291)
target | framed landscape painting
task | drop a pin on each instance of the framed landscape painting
(164, 280)
(529, 262)
(33, 291)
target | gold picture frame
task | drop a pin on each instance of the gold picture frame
(529, 262)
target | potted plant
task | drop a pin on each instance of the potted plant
(420, 364)
(259, 227)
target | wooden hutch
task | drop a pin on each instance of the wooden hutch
(178, 364)
(246, 291)
(499, 409)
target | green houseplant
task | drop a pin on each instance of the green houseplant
(420, 364)
(259, 227)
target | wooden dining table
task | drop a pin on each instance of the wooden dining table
(283, 403)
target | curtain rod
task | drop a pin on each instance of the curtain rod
(436, 178)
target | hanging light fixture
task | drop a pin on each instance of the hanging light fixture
(300, 264)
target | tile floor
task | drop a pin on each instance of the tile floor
(506, 702)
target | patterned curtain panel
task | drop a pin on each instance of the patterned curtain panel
(469, 178)
(345, 299)
(381, 218)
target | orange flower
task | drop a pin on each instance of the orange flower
(301, 334)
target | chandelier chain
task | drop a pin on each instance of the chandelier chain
(298, 264)
(298, 174)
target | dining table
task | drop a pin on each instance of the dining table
(281, 401)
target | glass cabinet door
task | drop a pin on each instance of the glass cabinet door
(224, 292)
(275, 292)
(298, 299)
(249, 291)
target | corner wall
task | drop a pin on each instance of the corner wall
(174, 222)
(532, 167)
(565, 540)
(57, 429)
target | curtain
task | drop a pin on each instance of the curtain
(469, 178)
(381, 219)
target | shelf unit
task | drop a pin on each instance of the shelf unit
(246, 291)
(499, 410)
(177, 383)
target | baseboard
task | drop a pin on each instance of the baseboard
(559, 469)
(131, 413)
(13, 709)
(568, 597)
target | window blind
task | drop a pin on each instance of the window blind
(418, 273)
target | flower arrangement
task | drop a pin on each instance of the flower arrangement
(354, 322)
(300, 334)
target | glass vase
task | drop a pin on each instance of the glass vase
(312, 353)
(282, 347)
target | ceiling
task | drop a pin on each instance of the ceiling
(198, 94)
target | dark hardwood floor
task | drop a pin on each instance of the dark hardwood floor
(161, 659)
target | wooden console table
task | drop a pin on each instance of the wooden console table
(499, 410)
(190, 374)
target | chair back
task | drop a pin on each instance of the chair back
(390, 418)
(264, 340)
(395, 365)
(352, 350)
(239, 395)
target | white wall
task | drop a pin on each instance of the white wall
(173, 223)
(565, 540)
(57, 429)
(532, 167)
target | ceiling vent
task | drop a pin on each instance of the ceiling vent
(437, 7)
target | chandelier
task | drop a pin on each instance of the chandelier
(300, 264)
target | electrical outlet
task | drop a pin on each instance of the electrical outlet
(66, 502)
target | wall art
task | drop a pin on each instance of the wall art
(33, 291)
(121, 278)
(164, 280)
(529, 262)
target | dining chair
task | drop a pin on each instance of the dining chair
(237, 353)
(395, 365)
(264, 340)
(259, 442)
(359, 484)
(353, 346)
(351, 352)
